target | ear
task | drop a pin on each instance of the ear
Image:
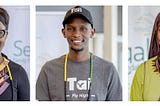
(92, 32)
(64, 33)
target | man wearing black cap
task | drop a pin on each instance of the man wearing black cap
(79, 75)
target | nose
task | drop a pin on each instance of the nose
(77, 33)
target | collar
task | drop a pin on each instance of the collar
(4, 63)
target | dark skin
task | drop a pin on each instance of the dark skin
(78, 31)
(158, 37)
(2, 41)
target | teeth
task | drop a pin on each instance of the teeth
(76, 41)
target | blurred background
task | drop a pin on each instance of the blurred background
(17, 46)
(106, 44)
(140, 25)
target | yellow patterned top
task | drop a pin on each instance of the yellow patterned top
(4, 64)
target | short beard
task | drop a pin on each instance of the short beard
(77, 51)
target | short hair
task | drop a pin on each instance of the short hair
(4, 17)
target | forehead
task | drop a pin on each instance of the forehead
(2, 26)
(78, 20)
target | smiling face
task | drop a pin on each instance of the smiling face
(3, 37)
(78, 31)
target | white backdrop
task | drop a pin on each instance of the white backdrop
(17, 46)
(50, 42)
(140, 24)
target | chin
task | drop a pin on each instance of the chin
(77, 50)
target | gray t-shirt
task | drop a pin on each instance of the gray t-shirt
(78, 80)
(105, 83)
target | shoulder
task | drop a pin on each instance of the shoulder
(104, 66)
(12, 65)
(52, 67)
(54, 62)
(153, 59)
(102, 62)
(147, 63)
(16, 69)
(144, 67)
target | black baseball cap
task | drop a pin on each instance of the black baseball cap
(78, 11)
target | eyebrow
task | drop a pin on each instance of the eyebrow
(77, 24)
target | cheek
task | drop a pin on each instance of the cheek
(67, 35)
(2, 40)
(1, 44)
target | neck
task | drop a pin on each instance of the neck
(79, 56)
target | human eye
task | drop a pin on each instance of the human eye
(84, 29)
(70, 29)
(1, 32)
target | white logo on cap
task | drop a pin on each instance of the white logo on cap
(76, 10)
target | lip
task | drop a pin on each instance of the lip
(76, 41)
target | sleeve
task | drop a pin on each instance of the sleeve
(23, 86)
(114, 87)
(42, 90)
(136, 93)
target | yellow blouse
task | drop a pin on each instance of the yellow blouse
(146, 84)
